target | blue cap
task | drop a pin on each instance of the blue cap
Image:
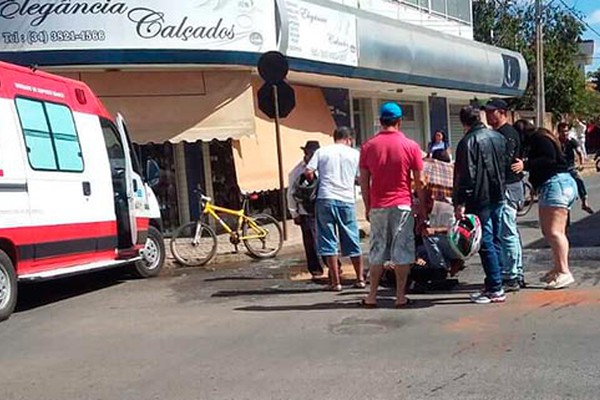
(390, 110)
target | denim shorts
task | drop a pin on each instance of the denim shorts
(392, 236)
(335, 216)
(559, 191)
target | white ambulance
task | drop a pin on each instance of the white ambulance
(72, 196)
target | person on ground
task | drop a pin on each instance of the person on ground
(549, 175)
(439, 142)
(337, 168)
(302, 209)
(572, 150)
(479, 174)
(434, 234)
(390, 163)
(509, 241)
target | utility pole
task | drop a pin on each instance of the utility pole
(539, 49)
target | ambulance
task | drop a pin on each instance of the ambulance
(73, 196)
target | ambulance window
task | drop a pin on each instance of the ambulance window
(50, 136)
(40, 149)
(65, 138)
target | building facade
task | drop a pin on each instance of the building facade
(184, 77)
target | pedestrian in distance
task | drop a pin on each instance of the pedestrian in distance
(389, 165)
(439, 142)
(509, 241)
(549, 175)
(301, 197)
(572, 150)
(479, 174)
(337, 169)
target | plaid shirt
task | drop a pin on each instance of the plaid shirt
(439, 177)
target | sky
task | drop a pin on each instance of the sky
(591, 10)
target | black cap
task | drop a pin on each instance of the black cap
(311, 145)
(495, 104)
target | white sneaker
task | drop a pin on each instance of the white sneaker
(560, 281)
(488, 297)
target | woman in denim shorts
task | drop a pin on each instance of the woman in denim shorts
(548, 173)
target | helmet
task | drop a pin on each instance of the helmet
(465, 236)
(305, 191)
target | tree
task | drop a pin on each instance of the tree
(511, 24)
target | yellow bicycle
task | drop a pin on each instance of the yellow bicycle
(195, 243)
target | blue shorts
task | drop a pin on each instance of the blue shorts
(559, 191)
(337, 216)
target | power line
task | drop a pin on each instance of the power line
(576, 15)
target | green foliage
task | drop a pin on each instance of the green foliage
(511, 24)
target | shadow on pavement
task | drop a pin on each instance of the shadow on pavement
(381, 304)
(34, 295)
(264, 292)
(236, 278)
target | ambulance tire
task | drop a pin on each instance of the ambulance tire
(156, 243)
(8, 286)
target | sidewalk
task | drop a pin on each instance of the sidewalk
(584, 235)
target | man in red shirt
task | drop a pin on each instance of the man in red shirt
(389, 162)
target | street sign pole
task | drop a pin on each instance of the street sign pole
(283, 204)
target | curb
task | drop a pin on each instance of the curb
(575, 254)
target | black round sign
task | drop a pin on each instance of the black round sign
(273, 66)
(285, 95)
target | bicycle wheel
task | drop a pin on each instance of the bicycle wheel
(529, 200)
(194, 244)
(262, 247)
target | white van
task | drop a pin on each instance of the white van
(72, 197)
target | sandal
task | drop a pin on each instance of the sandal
(409, 302)
(364, 304)
(360, 285)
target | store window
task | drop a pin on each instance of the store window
(166, 190)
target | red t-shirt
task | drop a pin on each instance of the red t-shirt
(390, 157)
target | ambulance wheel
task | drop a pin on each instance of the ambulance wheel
(153, 255)
(8, 286)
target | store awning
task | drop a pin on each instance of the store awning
(256, 157)
(179, 106)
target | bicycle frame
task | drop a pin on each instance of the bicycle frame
(213, 211)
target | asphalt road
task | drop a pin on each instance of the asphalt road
(250, 333)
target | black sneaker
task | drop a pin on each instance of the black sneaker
(512, 285)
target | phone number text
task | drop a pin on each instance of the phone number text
(34, 37)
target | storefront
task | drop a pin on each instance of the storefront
(185, 79)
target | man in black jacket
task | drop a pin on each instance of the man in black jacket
(479, 175)
(511, 257)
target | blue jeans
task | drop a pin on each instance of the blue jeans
(491, 223)
(439, 252)
(335, 216)
(509, 241)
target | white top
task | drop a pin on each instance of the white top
(295, 208)
(337, 165)
(580, 131)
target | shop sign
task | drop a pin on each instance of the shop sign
(321, 34)
(234, 25)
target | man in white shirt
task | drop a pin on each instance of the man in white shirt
(337, 167)
(303, 213)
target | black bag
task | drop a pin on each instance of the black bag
(305, 192)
